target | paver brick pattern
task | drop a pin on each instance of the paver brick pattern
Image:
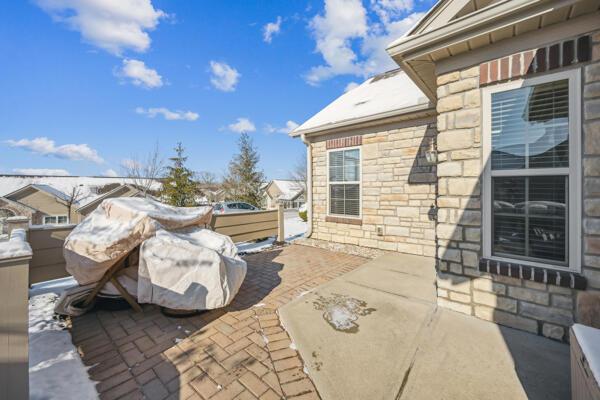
(239, 352)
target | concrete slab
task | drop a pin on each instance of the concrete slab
(400, 274)
(376, 333)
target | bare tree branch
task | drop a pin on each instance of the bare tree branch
(145, 173)
(298, 173)
(73, 197)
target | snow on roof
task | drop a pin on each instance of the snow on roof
(381, 94)
(289, 188)
(62, 186)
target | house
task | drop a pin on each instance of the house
(58, 200)
(483, 151)
(290, 193)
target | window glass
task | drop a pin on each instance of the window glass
(530, 127)
(344, 197)
(62, 219)
(530, 130)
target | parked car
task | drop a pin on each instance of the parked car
(229, 207)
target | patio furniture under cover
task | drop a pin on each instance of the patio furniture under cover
(196, 269)
(118, 226)
(100, 248)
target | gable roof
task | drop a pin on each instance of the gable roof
(389, 94)
(46, 189)
(454, 27)
(91, 187)
(130, 189)
(290, 189)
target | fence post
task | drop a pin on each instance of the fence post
(280, 224)
(16, 223)
(15, 255)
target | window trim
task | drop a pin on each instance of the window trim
(573, 172)
(56, 217)
(359, 182)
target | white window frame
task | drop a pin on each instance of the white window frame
(56, 219)
(359, 182)
(573, 171)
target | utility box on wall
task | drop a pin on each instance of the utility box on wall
(585, 362)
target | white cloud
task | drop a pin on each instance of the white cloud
(242, 125)
(351, 86)
(223, 76)
(352, 41)
(47, 147)
(140, 75)
(289, 126)
(167, 114)
(271, 29)
(42, 171)
(112, 25)
(110, 173)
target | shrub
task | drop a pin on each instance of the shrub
(303, 215)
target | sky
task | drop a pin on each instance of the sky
(87, 86)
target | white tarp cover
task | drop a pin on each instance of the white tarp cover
(116, 227)
(192, 269)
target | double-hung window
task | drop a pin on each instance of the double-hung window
(56, 220)
(344, 182)
(531, 187)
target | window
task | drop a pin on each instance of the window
(56, 219)
(531, 184)
(344, 182)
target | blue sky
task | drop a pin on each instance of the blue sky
(86, 87)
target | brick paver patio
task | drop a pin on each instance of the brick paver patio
(240, 352)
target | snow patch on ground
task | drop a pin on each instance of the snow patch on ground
(55, 367)
(294, 228)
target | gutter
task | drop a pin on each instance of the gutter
(309, 190)
(399, 114)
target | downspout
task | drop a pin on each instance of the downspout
(308, 186)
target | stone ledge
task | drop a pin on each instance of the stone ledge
(536, 274)
(342, 220)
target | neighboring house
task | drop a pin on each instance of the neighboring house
(58, 200)
(290, 193)
(496, 174)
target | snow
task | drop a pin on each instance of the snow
(589, 340)
(391, 91)
(294, 228)
(62, 186)
(16, 246)
(55, 367)
(289, 189)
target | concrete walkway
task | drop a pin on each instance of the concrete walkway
(376, 333)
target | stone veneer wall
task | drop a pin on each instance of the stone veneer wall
(398, 190)
(523, 304)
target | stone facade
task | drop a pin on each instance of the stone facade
(398, 189)
(523, 304)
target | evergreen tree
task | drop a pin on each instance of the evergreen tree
(179, 188)
(244, 179)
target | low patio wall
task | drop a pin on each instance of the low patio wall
(46, 242)
(15, 255)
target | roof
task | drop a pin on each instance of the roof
(132, 191)
(388, 94)
(456, 27)
(289, 189)
(61, 186)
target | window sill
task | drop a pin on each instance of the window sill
(343, 220)
(537, 274)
